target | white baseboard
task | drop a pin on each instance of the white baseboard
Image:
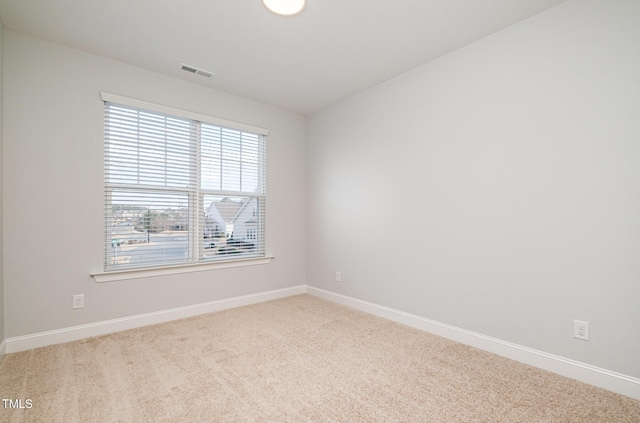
(74, 333)
(602, 378)
(606, 379)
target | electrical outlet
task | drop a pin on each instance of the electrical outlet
(581, 330)
(338, 277)
(78, 301)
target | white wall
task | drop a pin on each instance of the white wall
(53, 198)
(509, 173)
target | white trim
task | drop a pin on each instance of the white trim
(602, 378)
(113, 98)
(74, 333)
(3, 349)
(120, 275)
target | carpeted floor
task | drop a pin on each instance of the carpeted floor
(298, 359)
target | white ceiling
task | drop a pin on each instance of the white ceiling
(333, 49)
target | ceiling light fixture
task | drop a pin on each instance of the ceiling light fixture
(284, 7)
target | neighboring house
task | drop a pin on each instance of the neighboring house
(214, 224)
(234, 217)
(245, 224)
(221, 215)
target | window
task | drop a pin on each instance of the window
(180, 188)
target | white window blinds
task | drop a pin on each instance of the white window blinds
(179, 190)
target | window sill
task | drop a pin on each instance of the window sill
(120, 275)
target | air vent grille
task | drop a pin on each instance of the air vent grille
(203, 73)
(197, 71)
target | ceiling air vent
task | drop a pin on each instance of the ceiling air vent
(197, 71)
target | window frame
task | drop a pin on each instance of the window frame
(195, 243)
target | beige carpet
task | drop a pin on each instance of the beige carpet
(298, 359)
